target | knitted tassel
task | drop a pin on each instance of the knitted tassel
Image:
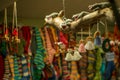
(99, 51)
(11, 62)
(102, 70)
(66, 73)
(39, 57)
(74, 71)
(20, 66)
(24, 68)
(51, 51)
(16, 69)
(83, 66)
(7, 73)
(91, 62)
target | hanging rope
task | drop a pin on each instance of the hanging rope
(89, 31)
(98, 26)
(64, 8)
(15, 14)
(106, 29)
(5, 20)
(81, 34)
(13, 19)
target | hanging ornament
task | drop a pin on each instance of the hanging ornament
(97, 40)
(89, 45)
(81, 48)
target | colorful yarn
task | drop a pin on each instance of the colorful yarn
(99, 52)
(11, 63)
(16, 69)
(25, 71)
(39, 56)
(50, 50)
(7, 73)
(74, 71)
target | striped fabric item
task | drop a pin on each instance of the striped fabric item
(83, 66)
(20, 66)
(16, 69)
(66, 73)
(25, 68)
(1, 67)
(50, 50)
(11, 63)
(74, 71)
(39, 56)
(7, 73)
(91, 63)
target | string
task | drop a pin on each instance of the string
(106, 29)
(64, 8)
(5, 20)
(13, 19)
(81, 33)
(15, 14)
(97, 25)
(89, 30)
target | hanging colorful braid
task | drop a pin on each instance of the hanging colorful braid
(16, 69)
(7, 74)
(39, 56)
(26, 75)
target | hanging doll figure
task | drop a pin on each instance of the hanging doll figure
(89, 46)
(97, 40)
(83, 61)
(110, 56)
